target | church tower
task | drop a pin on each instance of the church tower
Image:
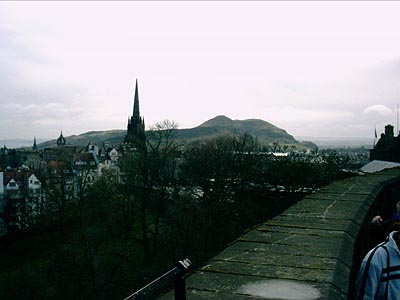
(61, 140)
(136, 133)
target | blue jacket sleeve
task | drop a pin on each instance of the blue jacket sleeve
(368, 279)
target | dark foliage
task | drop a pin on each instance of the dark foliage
(169, 204)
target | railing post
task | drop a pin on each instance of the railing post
(180, 288)
(177, 274)
(179, 283)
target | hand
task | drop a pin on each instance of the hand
(377, 220)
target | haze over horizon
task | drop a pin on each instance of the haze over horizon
(322, 69)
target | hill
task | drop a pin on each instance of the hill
(115, 137)
(265, 132)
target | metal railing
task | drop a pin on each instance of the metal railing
(177, 275)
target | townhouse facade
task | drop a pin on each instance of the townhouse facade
(47, 177)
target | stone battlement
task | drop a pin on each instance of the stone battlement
(304, 253)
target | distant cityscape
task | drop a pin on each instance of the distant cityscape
(328, 142)
(146, 182)
(30, 174)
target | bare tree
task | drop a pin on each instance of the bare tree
(218, 167)
(149, 178)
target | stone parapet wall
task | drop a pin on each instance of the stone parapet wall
(304, 253)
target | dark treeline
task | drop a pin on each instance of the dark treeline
(168, 202)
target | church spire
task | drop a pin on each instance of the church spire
(34, 147)
(136, 133)
(136, 112)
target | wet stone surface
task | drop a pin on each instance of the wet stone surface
(281, 289)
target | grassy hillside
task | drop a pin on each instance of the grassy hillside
(265, 132)
(115, 137)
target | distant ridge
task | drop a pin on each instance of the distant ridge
(265, 132)
(115, 137)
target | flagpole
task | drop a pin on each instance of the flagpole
(397, 119)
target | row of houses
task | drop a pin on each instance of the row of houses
(30, 190)
(29, 178)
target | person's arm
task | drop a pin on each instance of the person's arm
(367, 283)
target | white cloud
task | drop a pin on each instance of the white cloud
(379, 110)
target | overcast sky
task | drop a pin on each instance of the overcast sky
(312, 68)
